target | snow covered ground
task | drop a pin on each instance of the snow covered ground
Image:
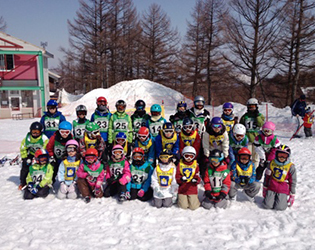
(104, 224)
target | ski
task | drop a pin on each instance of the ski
(3, 160)
(15, 161)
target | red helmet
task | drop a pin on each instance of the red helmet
(143, 131)
(101, 99)
(244, 151)
(91, 151)
(41, 153)
(138, 150)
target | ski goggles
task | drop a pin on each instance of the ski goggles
(137, 157)
(154, 113)
(188, 127)
(244, 157)
(101, 103)
(94, 133)
(238, 136)
(51, 107)
(282, 155)
(216, 126)
(164, 157)
(189, 156)
(120, 141)
(35, 133)
(168, 131)
(118, 152)
(142, 137)
(81, 113)
(140, 108)
(64, 132)
(90, 158)
(120, 107)
(199, 103)
(71, 149)
(267, 131)
(215, 159)
(227, 110)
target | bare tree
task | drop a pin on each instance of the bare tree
(251, 31)
(3, 24)
(160, 44)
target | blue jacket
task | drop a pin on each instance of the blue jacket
(150, 153)
(236, 178)
(235, 146)
(108, 115)
(298, 108)
(61, 171)
(146, 184)
(51, 127)
(159, 146)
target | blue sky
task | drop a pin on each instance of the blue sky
(37, 21)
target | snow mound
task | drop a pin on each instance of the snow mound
(130, 92)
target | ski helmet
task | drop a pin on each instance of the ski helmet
(140, 105)
(156, 108)
(143, 132)
(244, 151)
(227, 105)
(101, 101)
(137, 156)
(216, 156)
(199, 101)
(81, 108)
(52, 103)
(36, 126)
(91, 151)
(188, 125)
(308, 110)
(268, 128)
(239, 129)
(92, 129)
(41, 154)
(252, 101)
(181, 104)
(302, 97)
(283, 149)
(168, 128)
(117, 148)
(65, 125)
(189, 151)
(121, 136)
(166, 154)
(120, 105)
(217, 122)
(72, 142)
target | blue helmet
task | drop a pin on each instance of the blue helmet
(181, 104)
(121, 135)
(65, 125)
(156, 108)
(52, 103)
(187, 121)
(168, 125)
(216, 155)
(227, 105)
(217, 122)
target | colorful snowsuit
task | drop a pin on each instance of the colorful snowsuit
(120, 122)
(102, 119)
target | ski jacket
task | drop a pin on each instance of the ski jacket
(308, 120)
(51, 122)
(118, 170)
(265, 146)
(243, 174)
(229, 121)
(193, 139)
(139, 119)
(177, 120)
(29, 145)
(201, 118)
(298, 107)
(140, 177)
(67, 171)
(78, 126)
(163, 181)
(95, 170)
(252, 121)
(281, 178)
(155, 126)
(102, 119)
(235, 146)
(212, 140)
(191, 171)
(172, 144)
(148, 147)
(40, 175)
(86, 143)
(217, 179)
(120, 122)
(57, 145)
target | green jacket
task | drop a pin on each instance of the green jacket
(120, 122)
(253, 123)
(41, 175)
(29, 145)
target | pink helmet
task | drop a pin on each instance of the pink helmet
(269, 125)
(72, 142)
(119, 147)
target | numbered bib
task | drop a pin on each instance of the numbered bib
(120, 125)
(51, 124)
(155, 128)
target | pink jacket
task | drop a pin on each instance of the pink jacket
(126, 174)
(263, 146)
(98, 181)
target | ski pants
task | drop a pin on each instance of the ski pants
(208, 204)
(188, 201)
(24, 171)
(114, 188)
(166, 202)
(308, 132)
(147, 195)
(277, 201)
(250, 189)
(87, 190)
(42, 192)
(69, 195)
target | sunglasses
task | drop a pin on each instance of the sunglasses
(71, 149)
(102, 102)
(216, 126)
(188, 127)
(168, 131)
(64, 132)
(188, 156)
(90, 157)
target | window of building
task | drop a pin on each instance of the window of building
(27, 98)
(4, 99)
(6, 62)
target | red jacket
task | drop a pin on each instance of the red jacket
(56, 137)
(224, 183)
(187, 188)
(196, 144)
(308, 120)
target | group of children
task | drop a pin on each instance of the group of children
(144, 156)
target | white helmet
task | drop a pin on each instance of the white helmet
(189, 150)
(252, 101)
(239, 129)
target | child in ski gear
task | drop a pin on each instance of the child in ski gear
(163, 181)
(117, 174)
(189, 136)
(298, 106)
(178, 118)
(253, 121)
(156, 120)
(199, 115)
(90, 176)
(39, 177)
(243, 176)
(308, 122)
(35, 139)
(187, 177)
(67, 172)
(217, 181)
(51, 119)
(280, 181)
(80, 123)
(139, 117)
(265, 146)
(121, 139)
(102, 116)
(92, 139)
(228, 117)
(238, 139)
(56, 145)
(120, 122)
(141, 172)
(167, 139)
(145, 141)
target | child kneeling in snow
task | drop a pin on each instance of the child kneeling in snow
(67, 172)
(187, 177)
(117, 174)
(39, 177)
(243, 176)
(90, 176)
(280, 181)
(163, 181)
(141, 172)
(217, 181)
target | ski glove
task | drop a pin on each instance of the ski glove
(291, 200)
(194, 180)
(32, 188)
(52, 160)
(140, 193)
(110, 180)
(71, 187)
(208, 194)
(63, 187)
(90, 178)
(97, 191)
(221, 196)
(183, 179)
